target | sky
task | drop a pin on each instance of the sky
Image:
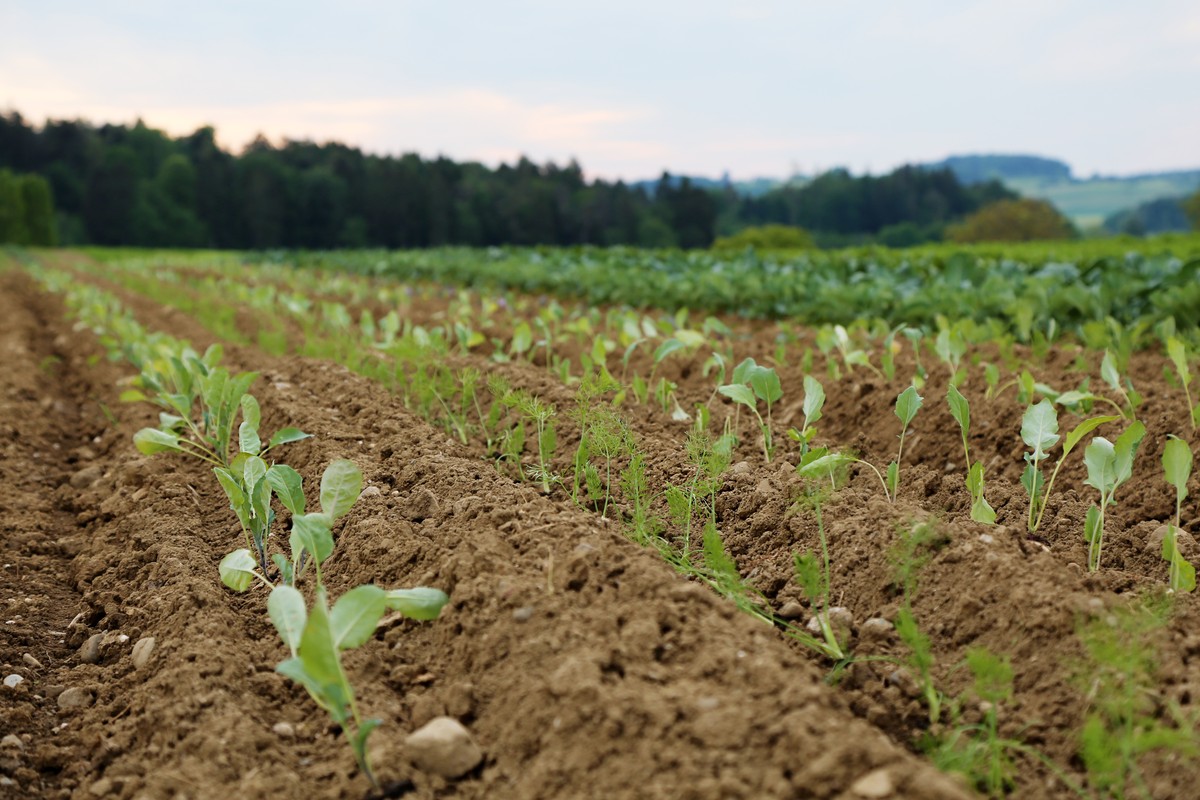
(629, 89)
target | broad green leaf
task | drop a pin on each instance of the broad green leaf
(1091, 525)
(151, 441)
(237, 497)
(286, 570)
(253, 470)
(1108, 371)
(1177, 465)
(288, 487)
(1073, 398)
(419, 603)
(132, 396)
(287, 435)
(959, 409)
(690, 338)
(170, 422)
(237, 570)
(739, 393)
(975, 479)
(1100, 458)
(1039, 429)
(908, 403)
(355, 615)
(340, 487)
(822, 466)
(1083, 429)
(248, 441)
(982, 511)
(311, 533)
(251, 412)
(522, 339)
(293, 668)
(765, 383)
(814, 399)
(317, 651)
(1178, 355)
(1126, 448)
(285, 607)
(741, 373)
(665, 349)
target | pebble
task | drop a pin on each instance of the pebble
(791, 610)
(142, 651)
(89, 652)
(523, 614)
(86, 477)
(75, 697)
(443, 747)
(1183, 540)
(840, 619)
(987, 538)
(284, 730)
(12, 740)
(31, 661)
(740, 468)
(370, 491)
(874, 785)
(101, 788)
(876, 628)
(13, 681)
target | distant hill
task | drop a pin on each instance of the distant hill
(1087, 201)
(752, 187)
(1164, 215)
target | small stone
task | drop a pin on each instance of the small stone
(13, 681)
(987, 538)
(283, 730)
(142, 651)
(874, 785)
(86, 477)
(740, 468)
(1183, 540)
(101, 788)
(75, 697)
(31, 661)
(840, 619)
(443, 747)
(371, 491)
(876, 628)
(523, 614)
(791, 610)
(89, 653)
(13, 741)
(423, 504)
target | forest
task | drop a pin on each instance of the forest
(138, 186)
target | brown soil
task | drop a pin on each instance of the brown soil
(615, 679)
(619, 654)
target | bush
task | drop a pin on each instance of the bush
(766, 237)
(1013, 221)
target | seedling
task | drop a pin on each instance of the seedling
(950, 347)
(318, 637)
(1039, 430)
(1124, 387)
(541, 415)
(960, 409)
(814, 402)
(752, 383)
(1177, 352)
(1177, 467)
(813, 576)
(1108, 466)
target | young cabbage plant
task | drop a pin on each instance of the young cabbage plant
(311, 538)
(1108, 466)
(814, 402)
(318, 636)
(950, 347)
(752, 383)
(1111, 375)
(1177, 468)
(960, 409)
(1177, 352)
(1039, 430)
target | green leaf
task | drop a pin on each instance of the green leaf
(251, 412)
(1177, 465)
(522, 339)
(253, 471)
(132, 396)
(1083, 429)
(1032, 480)
(824, 465)
(1039, 429)
(317, 650)
(287, 435)
(311, 533)
(355, 615)
(1073, 398)
(237, 570)
(293, 668)
(237, 497)
(286, 570)
(151, 441)
(1100, 458)
(741, 373)
(814, 400)
(1091, 525)
(1178, 355)
(419, 603)
(288, 487)
(340, 487)
(665, 349)
(982, 511)
(739, 393)
(285, 607)
(908, 403)
(765, 383)
(1108, 371)
(893, 478)
(959, 409)
(1126, 448)
(248, 441)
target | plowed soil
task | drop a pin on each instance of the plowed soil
(582, 664)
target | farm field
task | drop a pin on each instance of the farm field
(670, 571)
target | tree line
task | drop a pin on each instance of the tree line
(134, 185)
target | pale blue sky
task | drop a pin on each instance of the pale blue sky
(757, 87)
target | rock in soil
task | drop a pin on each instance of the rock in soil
(874, 785)
(142, 651)
(443, 747)
(75, 697)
